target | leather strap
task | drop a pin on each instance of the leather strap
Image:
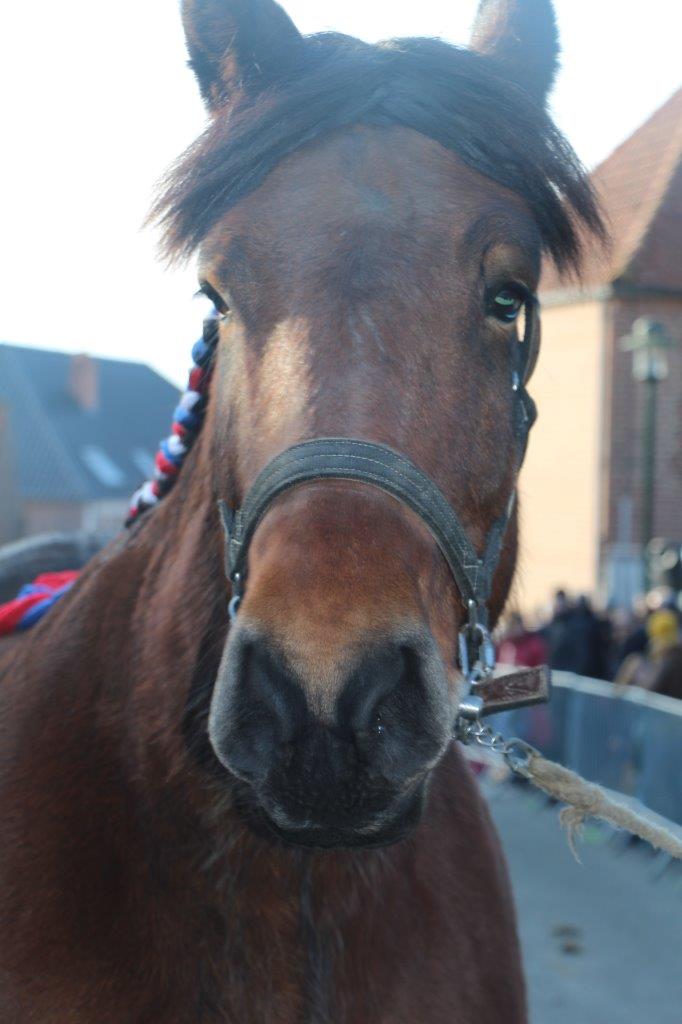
(344, 458)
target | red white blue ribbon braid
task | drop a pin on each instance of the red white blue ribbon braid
(188, 419)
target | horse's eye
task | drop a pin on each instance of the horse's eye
(218, 301)
(505, 304)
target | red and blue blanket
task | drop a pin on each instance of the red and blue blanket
(33, 600)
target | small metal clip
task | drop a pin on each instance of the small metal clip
(517, 753)
(476, 648)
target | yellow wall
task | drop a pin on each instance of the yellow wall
(559, 486)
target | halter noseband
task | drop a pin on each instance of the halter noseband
(346, 458)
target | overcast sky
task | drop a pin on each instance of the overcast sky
(97, 101)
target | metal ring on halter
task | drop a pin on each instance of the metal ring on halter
(236, 599)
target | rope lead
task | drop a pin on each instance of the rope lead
(583, 799)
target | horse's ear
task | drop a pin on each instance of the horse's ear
(522, 36)
(237, 45)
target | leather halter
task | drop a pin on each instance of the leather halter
(346, 458)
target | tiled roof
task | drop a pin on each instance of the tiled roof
(640, 189)
(56, 444)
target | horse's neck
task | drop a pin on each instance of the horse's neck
(142, 631)
(175, 622)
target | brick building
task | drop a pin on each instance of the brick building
(77, 436)
(581, 490)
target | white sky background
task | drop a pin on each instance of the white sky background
(97, 101)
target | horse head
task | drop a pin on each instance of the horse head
(370, 221)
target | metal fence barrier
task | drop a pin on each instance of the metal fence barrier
(621, 737)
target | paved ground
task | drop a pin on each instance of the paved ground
(603, 939)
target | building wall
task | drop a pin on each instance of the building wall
(10, 504)
(102, 517)
(105, 517)
(624, 444)
(559, 488)
(620, 527)
(50, 517)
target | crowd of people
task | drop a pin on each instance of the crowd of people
(641, 647)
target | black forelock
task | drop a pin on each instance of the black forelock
(454, 96)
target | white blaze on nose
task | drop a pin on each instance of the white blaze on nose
(322, 663)
(284, 379)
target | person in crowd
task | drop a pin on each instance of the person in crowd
(665, 653)
(575, 637)
(630, 628)
(659, 669)
(628, 633)
(520, 645)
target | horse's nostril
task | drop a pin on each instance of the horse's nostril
(258, 709)
(370, 698)
(366, 738)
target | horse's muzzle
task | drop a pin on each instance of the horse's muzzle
(346, 769)
(391, 826)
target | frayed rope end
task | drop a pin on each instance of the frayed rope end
(586, 800)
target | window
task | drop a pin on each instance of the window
(144, 461)
(102, 467)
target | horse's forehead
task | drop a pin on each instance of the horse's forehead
(370, 177)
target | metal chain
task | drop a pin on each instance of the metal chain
(516, 752)
(477, 662)
(474, 731)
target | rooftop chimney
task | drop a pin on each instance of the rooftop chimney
(83, 384)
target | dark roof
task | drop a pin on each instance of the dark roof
(62, 452)
(639, 187)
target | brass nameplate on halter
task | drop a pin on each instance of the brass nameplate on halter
(510, 687)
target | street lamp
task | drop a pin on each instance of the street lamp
(649, 344)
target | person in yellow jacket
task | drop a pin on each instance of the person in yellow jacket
(660, 669)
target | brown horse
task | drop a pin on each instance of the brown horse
(373, 217)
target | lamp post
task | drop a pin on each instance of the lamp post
(648, 343)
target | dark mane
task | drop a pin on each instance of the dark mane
(453, 96)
